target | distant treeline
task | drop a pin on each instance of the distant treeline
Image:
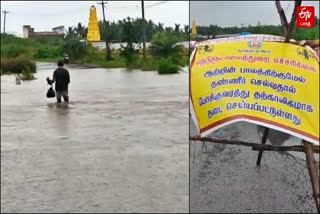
(299, 34)
(117, 31)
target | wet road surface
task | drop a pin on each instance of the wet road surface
(227, 180)
(121, 145)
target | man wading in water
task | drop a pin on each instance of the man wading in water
(62, 79)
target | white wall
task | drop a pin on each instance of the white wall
(25, 31)
(117, 46)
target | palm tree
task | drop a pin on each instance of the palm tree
(177, 28)
(164, 45)
(186, 29)
(70, 33)
(159, 27)
(81, 30)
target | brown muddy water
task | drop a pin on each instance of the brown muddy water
(225, 178)
(121, 145)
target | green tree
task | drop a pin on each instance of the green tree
(128, 35)
(70, 33)
(186, 29)
(74, 48)
(159, 27)
(106, 35)
(81, 31)
(177, 29)
(164, 45)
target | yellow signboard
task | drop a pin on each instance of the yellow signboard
(272, 84)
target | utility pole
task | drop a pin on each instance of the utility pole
(103, 5)
(143, 30)
(4, 20)
(108, 50)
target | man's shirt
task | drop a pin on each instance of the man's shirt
(62, 78)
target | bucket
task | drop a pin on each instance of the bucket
(18, 80)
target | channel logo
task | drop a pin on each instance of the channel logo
(305, 17)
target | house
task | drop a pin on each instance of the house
(59, 29)
(57, 32)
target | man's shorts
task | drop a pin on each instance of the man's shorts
(62, 93)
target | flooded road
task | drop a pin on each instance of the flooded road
(120, 146)
(226, 178)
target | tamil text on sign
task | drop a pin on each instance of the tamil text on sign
(273, 84)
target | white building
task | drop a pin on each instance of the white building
(28, 32)
(59, 29)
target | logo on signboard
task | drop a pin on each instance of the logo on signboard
(302, 52)
(205, 49)
(305, 17)
(254, 44)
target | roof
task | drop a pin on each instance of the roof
(58, 27)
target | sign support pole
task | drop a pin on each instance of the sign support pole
(314, 176)
(264, 140)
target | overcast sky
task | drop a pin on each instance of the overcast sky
(235, 13)
(44, 15)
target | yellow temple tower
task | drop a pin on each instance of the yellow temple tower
(194, 29)
(93, 27)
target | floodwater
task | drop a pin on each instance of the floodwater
(225, 178)
(121, 145)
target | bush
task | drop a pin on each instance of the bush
(74, 48)
(13, 50)
(42, 53)
(93, 55)
(45, 52)
(150, 65)
(166, 66)
(12, 46)
(17, 65)
(48, 41)
(306, 34)
(25, 75)
(163, 45)
(185, 60)
(131, 55)
(116, 62)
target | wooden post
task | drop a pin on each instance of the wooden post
(255, 146)
(264, 140)
(312, 168)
